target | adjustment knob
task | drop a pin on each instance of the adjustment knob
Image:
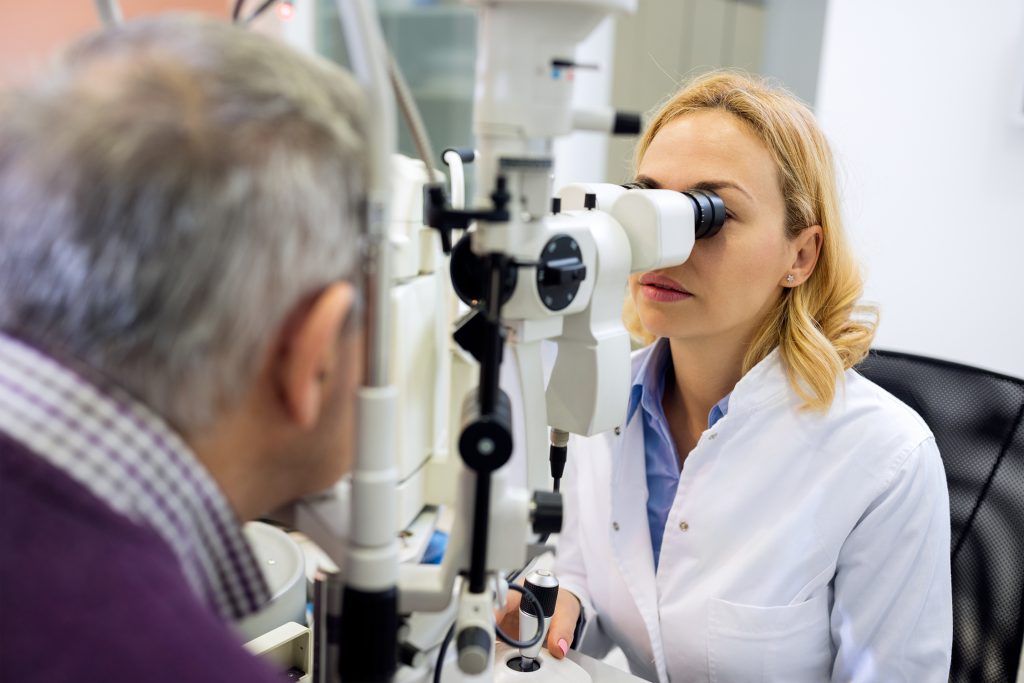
(560, 272)
(474, 645)
(546, 512)
(563, 272)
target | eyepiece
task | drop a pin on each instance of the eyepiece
(708, 211)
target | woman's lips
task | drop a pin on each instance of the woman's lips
(662, 295)
(661, 288)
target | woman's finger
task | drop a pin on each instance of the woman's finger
(563, 623)
(508, 616)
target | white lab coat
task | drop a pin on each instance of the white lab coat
(799, 546)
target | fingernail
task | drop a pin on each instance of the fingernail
(564, 646)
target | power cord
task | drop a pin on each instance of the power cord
(442, 652)
(267, 4)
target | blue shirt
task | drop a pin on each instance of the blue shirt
(660, 457)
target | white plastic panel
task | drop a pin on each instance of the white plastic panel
(659, 224)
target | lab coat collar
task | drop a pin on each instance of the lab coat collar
(764, 383)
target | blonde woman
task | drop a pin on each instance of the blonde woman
(765, 513)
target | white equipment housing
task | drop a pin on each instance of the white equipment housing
(522, 102)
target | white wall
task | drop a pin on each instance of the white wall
(918, 99)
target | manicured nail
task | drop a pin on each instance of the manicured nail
(564, 646)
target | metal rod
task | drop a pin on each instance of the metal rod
(368, 63)
(481, 517)
(110, 13)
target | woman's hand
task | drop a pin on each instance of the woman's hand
(563, 621)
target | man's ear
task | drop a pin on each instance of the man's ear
(309, 353)
(807, 248)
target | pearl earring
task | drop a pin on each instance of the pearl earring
(790, 278)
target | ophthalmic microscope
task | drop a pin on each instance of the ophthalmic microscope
(530, 268)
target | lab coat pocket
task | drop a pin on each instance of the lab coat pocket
(750, 643)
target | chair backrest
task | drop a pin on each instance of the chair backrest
(976, 418)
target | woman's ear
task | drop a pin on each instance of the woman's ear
(806, 248)
(309, 355)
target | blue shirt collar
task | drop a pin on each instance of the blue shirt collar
(649, 385)
(719, 410)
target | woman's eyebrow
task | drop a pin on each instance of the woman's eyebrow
(646, 183)
(716, 185)
(649, 183)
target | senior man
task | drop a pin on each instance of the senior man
(180, 212)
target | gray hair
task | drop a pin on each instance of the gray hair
(168, 195)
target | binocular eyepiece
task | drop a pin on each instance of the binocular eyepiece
(708, 210)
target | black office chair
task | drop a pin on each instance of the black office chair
(976, 418)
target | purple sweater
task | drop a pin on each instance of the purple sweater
(86, 595)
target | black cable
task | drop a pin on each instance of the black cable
(260, 10)
(557, 456)
(441, 653)
(237, 11)
(523, 644)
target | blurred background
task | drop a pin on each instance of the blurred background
(923, 103)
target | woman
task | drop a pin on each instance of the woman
(764, 513)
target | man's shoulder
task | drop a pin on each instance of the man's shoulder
(37, 493)
(90, 595)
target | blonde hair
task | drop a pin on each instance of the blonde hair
(818, 326)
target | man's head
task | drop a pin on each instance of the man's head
(180, 211)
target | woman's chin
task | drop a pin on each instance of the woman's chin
(661, 324)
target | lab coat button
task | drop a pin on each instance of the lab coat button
(618, 431)
(615, 525)
(712, 435)
(683, 526)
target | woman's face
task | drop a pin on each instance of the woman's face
(733, 279)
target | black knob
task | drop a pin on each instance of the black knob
(564, 272)
(560, 272)
(486, 441)
(590, 201)
(470, 274)
(547, 512)
(626, 123)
